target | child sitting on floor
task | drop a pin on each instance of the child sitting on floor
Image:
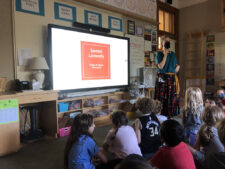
(81, 147)
(120, 140)
(175, 155)
(207, 140)
(134, 161)
(217, 160)
(158, 109)
(209, 102)
(147, 128)
(220, 94)
(193, 109)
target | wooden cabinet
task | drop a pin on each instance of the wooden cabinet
(10, 133)
(100, 106)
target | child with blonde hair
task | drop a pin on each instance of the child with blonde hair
(193, 108)
(208, 140)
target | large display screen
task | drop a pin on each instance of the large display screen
(86, 60)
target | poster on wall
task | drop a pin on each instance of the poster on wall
(65, 12)
(139, 30)
(115, 23)
(30, 6)
(93, 18)
(131, 27)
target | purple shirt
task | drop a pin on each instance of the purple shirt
(124, 143)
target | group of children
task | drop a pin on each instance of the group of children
(152, 140)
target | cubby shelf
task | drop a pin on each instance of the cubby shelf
(69, 111)
(103, 100)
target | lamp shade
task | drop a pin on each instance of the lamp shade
(38, 63)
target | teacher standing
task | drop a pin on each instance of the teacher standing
(167, 85)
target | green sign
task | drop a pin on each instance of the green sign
(9, 111)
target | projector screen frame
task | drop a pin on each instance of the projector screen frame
(89, 31)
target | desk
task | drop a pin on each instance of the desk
(10, 133)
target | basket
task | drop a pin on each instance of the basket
(64, 131)
(2, 83)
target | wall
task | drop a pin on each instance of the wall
(6, 41)
(204, 16)
(31, 30)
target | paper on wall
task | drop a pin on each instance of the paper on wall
(136, 54)
(24, 54)
(148, 45)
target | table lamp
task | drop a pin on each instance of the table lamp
(39, 64)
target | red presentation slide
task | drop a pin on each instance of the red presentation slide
(95, 61)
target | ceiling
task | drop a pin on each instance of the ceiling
(185, 3)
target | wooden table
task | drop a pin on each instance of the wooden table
(10, 133)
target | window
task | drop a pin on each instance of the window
(168, 24)
(166, 21)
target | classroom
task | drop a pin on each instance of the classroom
(111, 67)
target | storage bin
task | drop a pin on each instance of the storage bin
(74, 105)
(64, 131)
(73, 115)
(62, 107)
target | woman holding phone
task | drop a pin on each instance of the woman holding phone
(167, 85)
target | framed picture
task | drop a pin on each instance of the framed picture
(211, 52)
(65, 12)
(210, 46)
(115, 23)
(210, 73)
(154, 36)
(154, 48)
(147, 35)
(210, 38)
(210, 81)
(210, 67)
(139, 30)
(93, 18)
(131, 27)
(33, 7)
(210, 60)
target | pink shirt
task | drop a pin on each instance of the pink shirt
(124, 143)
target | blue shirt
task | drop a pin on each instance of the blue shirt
(81, 153)
(193, 121)
(170, 64)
